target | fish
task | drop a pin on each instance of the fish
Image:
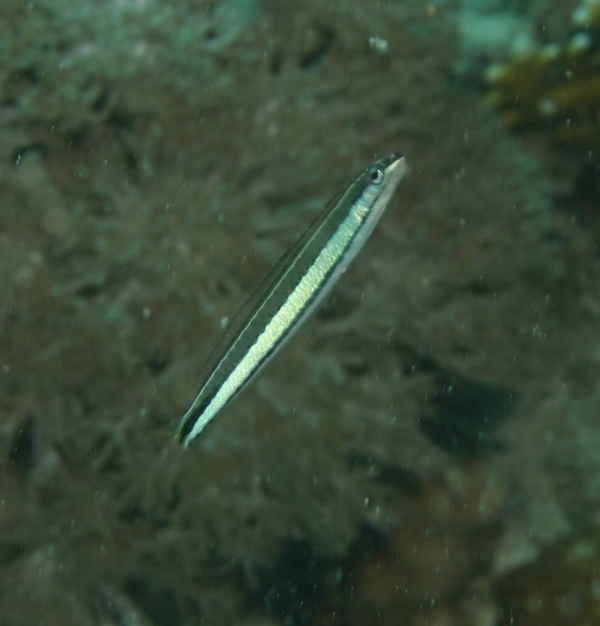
(291, 291)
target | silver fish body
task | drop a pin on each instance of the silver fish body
(290, 291)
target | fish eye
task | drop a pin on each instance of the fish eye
(376, 175)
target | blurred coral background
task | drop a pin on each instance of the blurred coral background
(427, 451)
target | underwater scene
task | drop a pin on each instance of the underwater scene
(426, 451)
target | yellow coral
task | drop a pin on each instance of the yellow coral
(554, 86)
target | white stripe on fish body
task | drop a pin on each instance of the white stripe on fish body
(305, 292)
(283, 320)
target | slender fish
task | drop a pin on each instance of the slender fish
(290, 291)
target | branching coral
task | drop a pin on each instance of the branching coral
(555, 86)
(65, 64)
